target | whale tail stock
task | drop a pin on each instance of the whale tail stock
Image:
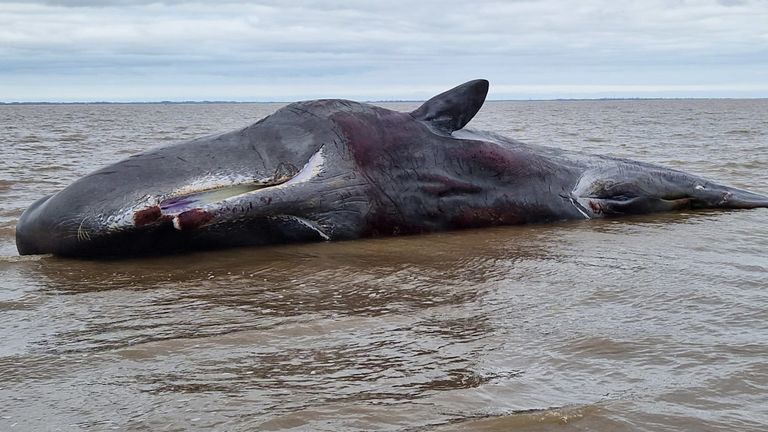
(741, 199)
(630, 189)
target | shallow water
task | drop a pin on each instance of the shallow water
(642, 324)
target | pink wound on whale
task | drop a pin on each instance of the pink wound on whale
(147, 216)
(191, 219)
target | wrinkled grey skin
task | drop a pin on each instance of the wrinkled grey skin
(334, 170)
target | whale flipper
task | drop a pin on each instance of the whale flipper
(453, 109)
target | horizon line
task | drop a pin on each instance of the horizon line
(170, 102)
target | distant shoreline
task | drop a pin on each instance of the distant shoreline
(379, 101)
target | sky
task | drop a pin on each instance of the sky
(140, 50)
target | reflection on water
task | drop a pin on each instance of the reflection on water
(649, 323)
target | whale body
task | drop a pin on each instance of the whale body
(336, 170)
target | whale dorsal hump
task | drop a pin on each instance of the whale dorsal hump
(452, 110)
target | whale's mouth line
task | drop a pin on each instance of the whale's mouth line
(191, 205)
(197, 205)
(205, 197)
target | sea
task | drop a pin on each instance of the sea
(647, 323)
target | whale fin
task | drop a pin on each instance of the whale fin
(453, 109)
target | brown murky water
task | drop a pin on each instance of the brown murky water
(643, 324)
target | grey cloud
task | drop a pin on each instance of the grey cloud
(109, 3)
(388, 44)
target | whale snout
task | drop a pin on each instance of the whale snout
(33, 231)
(48, 227)
(92, 218)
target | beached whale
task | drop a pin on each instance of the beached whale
(335, 170)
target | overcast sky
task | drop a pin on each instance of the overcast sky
(137, 50)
